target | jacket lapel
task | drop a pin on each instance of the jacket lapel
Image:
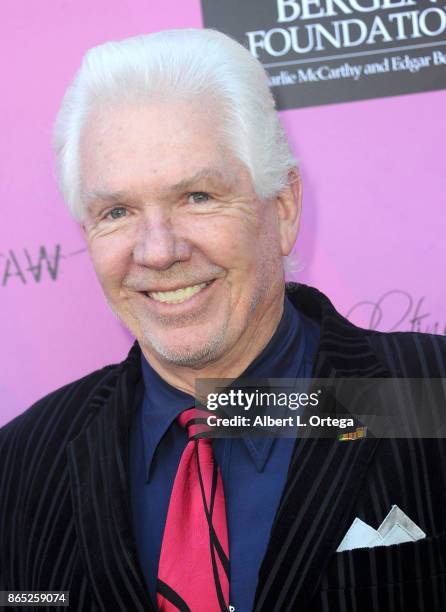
(98, 464)
(325, 475)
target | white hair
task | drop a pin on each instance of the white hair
(189, 63)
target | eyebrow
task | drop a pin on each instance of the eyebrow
(183, 185)
(205, 173)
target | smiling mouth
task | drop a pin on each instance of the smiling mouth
(178, 295)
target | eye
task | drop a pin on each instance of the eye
(116, 213)
(198, 197)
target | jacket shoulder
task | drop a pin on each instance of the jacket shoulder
(410, 354)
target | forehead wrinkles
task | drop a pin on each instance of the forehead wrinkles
(118, 154)
(154, 118)
(104, 196)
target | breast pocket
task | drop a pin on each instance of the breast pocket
(400, 578)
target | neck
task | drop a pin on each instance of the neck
(234, 361)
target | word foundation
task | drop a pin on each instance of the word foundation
(346, 33)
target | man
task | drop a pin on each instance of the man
(172, 158)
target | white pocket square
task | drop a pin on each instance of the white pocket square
(396, 528)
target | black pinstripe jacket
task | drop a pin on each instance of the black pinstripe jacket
(65, 519)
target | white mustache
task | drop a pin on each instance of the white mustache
(149, 281)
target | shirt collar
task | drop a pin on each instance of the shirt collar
(282, 357)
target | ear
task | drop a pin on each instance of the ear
(289, 207)
(83, 229)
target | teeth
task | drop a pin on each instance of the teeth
(175, 297)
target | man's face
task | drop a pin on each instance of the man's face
(188, 256)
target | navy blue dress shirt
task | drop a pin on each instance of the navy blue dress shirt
(253, 470)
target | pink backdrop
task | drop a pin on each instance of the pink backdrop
(374, 207)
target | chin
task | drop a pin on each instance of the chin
(181, 353)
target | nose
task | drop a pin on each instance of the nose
(158, 244)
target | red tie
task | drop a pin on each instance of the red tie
(193, 572)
